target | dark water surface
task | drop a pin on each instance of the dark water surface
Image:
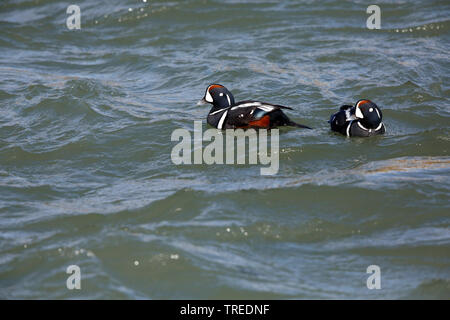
(86, 176)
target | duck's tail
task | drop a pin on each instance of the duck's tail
(298, 125)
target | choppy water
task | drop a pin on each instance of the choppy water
(86, 176)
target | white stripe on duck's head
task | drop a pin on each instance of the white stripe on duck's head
(218, 95)
(368, 113)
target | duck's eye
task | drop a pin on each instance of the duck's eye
(221, 94)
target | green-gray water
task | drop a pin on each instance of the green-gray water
(86, 176)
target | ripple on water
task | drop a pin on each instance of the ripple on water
(86, 176)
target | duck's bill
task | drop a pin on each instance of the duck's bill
(202, 102)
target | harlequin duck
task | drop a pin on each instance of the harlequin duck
(227, 114)
(362, 120)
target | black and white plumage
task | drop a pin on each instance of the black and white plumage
(226, 114)
(364, 119)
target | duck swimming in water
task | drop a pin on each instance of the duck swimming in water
(227, 114)
(364, 119)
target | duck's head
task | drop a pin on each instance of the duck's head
(218, 95)
(368, 113)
